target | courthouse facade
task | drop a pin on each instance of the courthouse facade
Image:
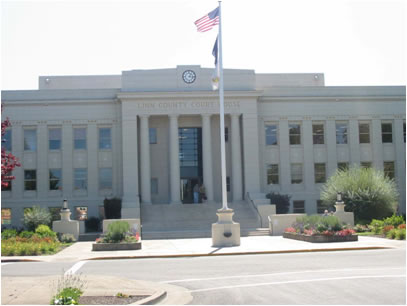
(149, 136)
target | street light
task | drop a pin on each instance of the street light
(65, 207)
(339, 197)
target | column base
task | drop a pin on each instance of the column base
(225, 233)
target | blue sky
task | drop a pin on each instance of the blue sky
(355, 42)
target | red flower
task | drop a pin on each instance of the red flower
(402, 226)
(290, 230)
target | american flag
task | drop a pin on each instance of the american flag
(208, 21)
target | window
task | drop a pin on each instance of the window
(320, 173)
(296, 173)
(364, 133)
(153, 135)
(81, 213)
(54, 138)
(105, 138)
(388, 168)
(226, 134)
(30, 140)
(228, 184)
(272, 174)
(80, 179)
(8, 187)
(271, 134)
(298, 207)
(105, 178)
(6, 141)
(55, 179)
(154, 186)
(5, 216)
(366, 164)
(295, 133)
(321, 207)
(55, 213)
(30, 180)
(318, 133)
(387, 133)
(343, 166)
(404, 132)
(79, 138)
(341, 133)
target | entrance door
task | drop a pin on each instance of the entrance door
(187, 190)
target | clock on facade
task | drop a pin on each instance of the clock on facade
(189, 76)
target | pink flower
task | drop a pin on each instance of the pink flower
(290, 230)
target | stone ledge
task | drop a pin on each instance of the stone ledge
(320, 238)
(116, 246)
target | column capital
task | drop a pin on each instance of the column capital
(173, 116)
(235, 115)
(144, 116)
(206, 115)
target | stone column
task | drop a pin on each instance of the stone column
(93, 150)
(175, 176)
(67, 159)
(332, 161)
(42, 161)
(309, 170)
(285, 163)
(399, 165)
(236, 158)
(207, 156)
(354, 144)
(145, 160)
(377, 144)
(17, 142)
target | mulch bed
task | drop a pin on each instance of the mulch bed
(110, 300)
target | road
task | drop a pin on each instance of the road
(347, 277)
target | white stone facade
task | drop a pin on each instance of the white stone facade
(122, 110)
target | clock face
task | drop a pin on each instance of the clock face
(189, 76)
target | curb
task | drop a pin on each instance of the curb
(21, 260)
(153, 299)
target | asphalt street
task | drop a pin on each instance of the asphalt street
(345, 277)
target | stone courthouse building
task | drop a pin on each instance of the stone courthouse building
(148, 136)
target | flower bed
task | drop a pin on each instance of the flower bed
(320, 229)
(118, 238)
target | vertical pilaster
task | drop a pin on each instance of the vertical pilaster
(67, 157)
(17, 141)
(207, 156)
(92, 146)
(377, 144)
(284, 146)
(399, 165)
(175, 183)
(309, 170)
(42, 161)
(354, 146)
(236, 158)
(332, 158)
(145, 160)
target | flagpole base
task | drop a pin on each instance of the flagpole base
(225, 233)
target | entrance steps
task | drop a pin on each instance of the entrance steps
(165, 221)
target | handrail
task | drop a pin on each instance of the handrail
(255, 208)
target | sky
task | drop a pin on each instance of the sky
(353, 42)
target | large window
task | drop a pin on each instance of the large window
(404, 132)
(80, 179)
(387, 133)
(295, 133)
(318, 133)
(54, 138)
(320, 173)
(6, 141)
(30, 140)
(343, 166)
(272, 174)
(271, 134)
(388, 167)
(5, 216)
(298, 207)
(105, 138)
(105, 178)
(30, 180)
(296, 173)
(153, 135)
(364, 133)
(341, 133)
(55, 179)
(79, 138)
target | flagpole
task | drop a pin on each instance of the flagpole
(222, 115)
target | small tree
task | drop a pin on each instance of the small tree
(8, 160)
(35, 216)
(282, 202)
(367, 192)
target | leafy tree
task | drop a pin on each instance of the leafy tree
(282, 202)
(35, 216)
(367, 192)
(8, 160)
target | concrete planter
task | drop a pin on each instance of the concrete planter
(116, 246)
(320, 238)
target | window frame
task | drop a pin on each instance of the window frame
(32, 180)
(100, 178)
(316, 135)
(102, 144)
(84, 179)
(76, 145)
(52, 180)
(298, 166)
(271, 174)
(271, 135)
(300, 210)
(152, 135)
(319, 173)
(386, 134)
(8, 143)
(57, 141)
(26, 144)
(366, 134)
(292, 136)
(389, 173)
(339, 133)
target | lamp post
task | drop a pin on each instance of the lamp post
(65, 212)
(65, 205)
(339, 197)
(339, 205)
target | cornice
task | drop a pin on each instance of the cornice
(267, 99)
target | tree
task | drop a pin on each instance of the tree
(8, 160)
(367, 192)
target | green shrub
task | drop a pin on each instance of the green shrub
(113, 208)
(45, 231)
(319, 223)
(92, 224)
(68, 289)
(116, 231)
(367, 192)
(8, 233)
(394, 220)
(36, 216)
(376, 226)
(401, 234)
(282, 202)
(26, 234)
(391, 234)
(67, 238)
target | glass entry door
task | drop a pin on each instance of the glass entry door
(187, 190)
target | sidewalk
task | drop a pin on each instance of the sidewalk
(203, 247)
